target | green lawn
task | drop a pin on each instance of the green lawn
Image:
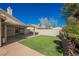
(47, 45)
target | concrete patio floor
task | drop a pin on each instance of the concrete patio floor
(17, 49)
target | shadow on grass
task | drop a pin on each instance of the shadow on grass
(58, 46)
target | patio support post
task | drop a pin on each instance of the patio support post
(5, 33)
(34, 31)
(0, 34)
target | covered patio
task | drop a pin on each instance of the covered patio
(8, 27)
(2, 19)
(17, 38)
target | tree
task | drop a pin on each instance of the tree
(44, 22)
(53, 23)
(70, 10)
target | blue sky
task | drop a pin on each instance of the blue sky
(32, 12)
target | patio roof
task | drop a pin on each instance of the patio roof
(13, 20)
(2, 17)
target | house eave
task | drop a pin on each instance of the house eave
(15, 20)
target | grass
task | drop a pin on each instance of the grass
(47, 45)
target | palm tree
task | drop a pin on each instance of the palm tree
(70, 10)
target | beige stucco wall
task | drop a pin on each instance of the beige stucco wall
(49, 32)
(26, 31)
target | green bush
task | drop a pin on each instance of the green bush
(72, 28)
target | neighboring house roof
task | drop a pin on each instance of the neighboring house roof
(15, 20)
(36, 26)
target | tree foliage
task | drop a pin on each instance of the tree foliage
(70, 11)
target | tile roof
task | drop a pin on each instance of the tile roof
(17, 21)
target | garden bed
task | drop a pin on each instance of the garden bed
(70, 43)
